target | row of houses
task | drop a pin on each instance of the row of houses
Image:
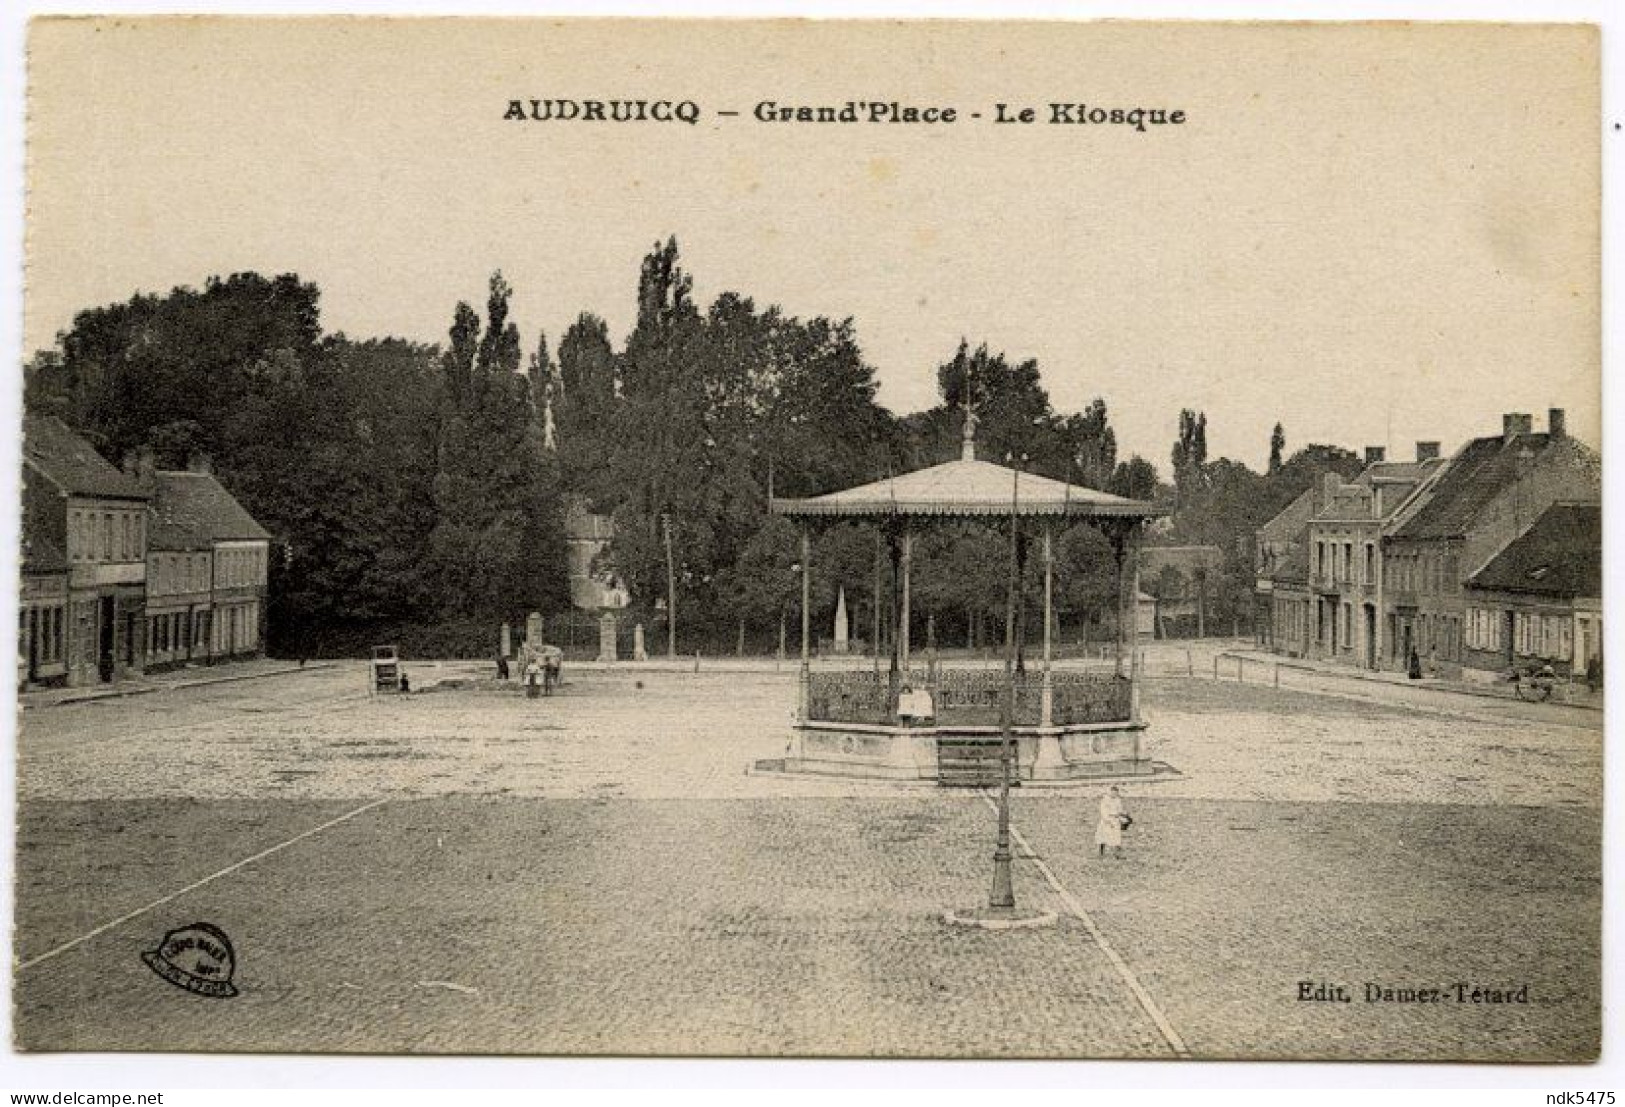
(130, 571)
(1473, 564)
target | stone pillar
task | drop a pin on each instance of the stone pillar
(507, 641)
(639, 652)
(843, 640)
(533, 631)
(607, 650)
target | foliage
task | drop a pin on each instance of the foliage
(414, 487)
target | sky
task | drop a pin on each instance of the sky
(1371, 234)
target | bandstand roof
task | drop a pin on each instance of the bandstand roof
(967, 487)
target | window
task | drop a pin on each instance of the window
(126, 534)
(1565, 638)
(107, 536)
(1370, 563)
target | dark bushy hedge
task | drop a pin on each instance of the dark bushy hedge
(449, 640)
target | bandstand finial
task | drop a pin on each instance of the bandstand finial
(967, 447)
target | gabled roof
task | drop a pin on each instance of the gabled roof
(1395, 480)
(191, 511)
(69, 462)
(1451, 502)
(1293, 518)
(1294, 567)
(1380, 471)
(967, 487)
(1559, 555)
(41, 556)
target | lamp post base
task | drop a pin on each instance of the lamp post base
(1000, 918)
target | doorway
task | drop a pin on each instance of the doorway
(33, 645)
(106, 633)
(1370, 637)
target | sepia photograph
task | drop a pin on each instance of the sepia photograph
(769, 538)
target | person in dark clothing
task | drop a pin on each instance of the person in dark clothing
(1413, 665)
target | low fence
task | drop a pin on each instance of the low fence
(972, 697)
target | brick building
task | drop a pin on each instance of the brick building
(1464, 514)
(1539, 601)
(84, 532)
(1281, 577)
(207, 567)
(1345, 555)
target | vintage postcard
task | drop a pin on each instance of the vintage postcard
(811, 539)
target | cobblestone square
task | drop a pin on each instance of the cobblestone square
(466, 871)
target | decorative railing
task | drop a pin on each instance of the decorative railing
(972, 697)
(851, 697)
(1077, 698)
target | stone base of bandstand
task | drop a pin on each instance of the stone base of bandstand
(1092, 752)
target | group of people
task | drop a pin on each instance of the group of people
(540, 672)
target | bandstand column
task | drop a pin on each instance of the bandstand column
(1134, 632)
(1126, 600)
(806, 624)
(1046, 698)
(902, 628)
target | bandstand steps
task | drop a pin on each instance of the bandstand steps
(971, 763)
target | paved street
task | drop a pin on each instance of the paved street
(598, 873)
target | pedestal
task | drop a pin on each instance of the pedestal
(639, 653)
(606, 638)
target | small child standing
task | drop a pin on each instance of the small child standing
(1113, 818)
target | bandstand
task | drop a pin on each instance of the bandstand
(1067, 724)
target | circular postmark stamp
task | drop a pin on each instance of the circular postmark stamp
(198, 958)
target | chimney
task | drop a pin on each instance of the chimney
(200, 462)
(141, 464)
(1329, 484)
(1556, 424)
(1515, 423)
(1427, 451)
(1374, 454)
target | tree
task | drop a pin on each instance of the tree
(497, 509)
(1190, 454)
(587, 412)
(544, 389)
(1277, 447)
(1091, 445)
(1012, 408)
(1135, 478)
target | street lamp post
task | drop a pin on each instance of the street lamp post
(1001, 912)
(1003, 897)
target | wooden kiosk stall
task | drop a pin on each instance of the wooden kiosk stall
(1068, 724)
